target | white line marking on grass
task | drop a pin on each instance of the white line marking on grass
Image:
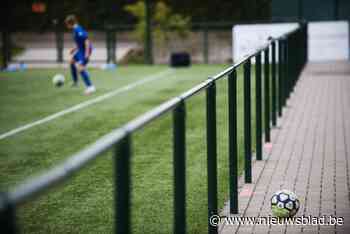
(86, 103)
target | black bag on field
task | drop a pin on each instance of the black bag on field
(180, 59)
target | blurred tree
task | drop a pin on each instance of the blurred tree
(96, 14)
(165, 23)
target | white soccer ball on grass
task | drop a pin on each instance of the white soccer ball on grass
(58, 80)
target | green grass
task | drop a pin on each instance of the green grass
(84, 204)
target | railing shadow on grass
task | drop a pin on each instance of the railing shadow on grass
(291, 51)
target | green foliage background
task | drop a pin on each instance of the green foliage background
(96, 14)
(165, 22)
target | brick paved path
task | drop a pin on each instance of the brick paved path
(310, 155)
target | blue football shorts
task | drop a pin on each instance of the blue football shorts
(79, 57)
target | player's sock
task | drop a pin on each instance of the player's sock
(86, 78)
(73, 70)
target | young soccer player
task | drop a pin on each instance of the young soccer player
(80, 54)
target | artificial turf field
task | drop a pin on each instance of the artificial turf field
(84, 204)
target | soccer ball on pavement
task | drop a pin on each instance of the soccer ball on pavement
(284, 203)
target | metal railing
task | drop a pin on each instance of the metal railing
(291, 54)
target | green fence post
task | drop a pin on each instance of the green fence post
(205, 44)
(258, 109)
(285, 71)
(179, 153)
(303, 52)
(5, 47)
(107, 44)
(267, 94)
(232, 131)
(211, 154)
(148, 33)
(7, 215)
(290, 65)
(59, 36)
(110, 44)
(247, 124)
(113, 46)
(273, 73)
(122, 186)
(280, 77)
(305, 45)
(295, 59)
(9, 48)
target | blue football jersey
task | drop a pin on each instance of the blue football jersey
(80, 35)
